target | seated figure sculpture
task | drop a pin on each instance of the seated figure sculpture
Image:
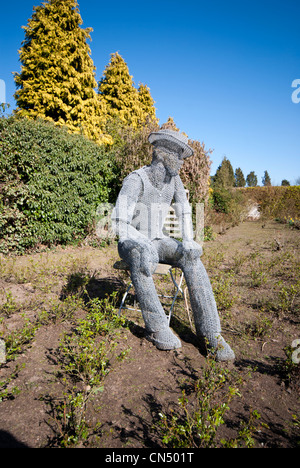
(138, 219)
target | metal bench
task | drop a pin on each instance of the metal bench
(161, 269)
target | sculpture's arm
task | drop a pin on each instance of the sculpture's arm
(124, 209)
(184, 214)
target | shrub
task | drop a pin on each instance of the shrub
(197, 425)
(195, 173)
(228, 205)
(50, 183)
(222, 200)
(275, 202)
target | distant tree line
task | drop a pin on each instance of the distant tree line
(224, 198)
(226, 177)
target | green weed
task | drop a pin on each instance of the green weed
(259, 327)
(259, 274)
(247, 429)
(10, 306)
(197, 426)
(287, 296)
(223, 292)
(17, 340)
(238, 261)
(287, 368)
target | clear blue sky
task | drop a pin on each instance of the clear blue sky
(222, 69)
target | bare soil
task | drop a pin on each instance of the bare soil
(147, 382)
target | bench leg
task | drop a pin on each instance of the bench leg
(178, 290)
(124, 299)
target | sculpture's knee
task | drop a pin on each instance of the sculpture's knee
(189, 258)
(141, 258)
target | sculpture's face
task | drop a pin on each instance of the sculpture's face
(171, 159)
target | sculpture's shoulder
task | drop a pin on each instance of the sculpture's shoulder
(133, 178)
(137, 179)
(132, 185)
(136, 175)
(178, 183)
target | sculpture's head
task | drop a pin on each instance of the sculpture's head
(171, 148)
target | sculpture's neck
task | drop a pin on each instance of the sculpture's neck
(158, 175)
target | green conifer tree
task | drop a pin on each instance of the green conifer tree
(57, 79)
(239, 178)
(224, 176)
(251, 179)
(122, 99)
(266, 179)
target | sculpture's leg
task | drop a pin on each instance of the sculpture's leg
(202, 299)
(142, 260)
(204, 306)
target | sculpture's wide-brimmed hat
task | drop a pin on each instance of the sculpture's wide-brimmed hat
(170, 136)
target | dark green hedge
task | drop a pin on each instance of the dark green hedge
(51, 183)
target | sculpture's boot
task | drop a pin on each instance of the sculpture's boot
(164, 339)
(206, 317)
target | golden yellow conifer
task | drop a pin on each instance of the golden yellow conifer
(57, 79)
(147, 103)
(122, 99)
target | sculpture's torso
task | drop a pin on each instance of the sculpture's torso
(152, 206)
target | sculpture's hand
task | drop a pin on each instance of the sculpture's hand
(191, 245)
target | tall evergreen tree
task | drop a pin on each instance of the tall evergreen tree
(251, 179)
(57, 79)
(224, 176)
(239, 178)
(147, 103)
(266, 179)
(122, 99)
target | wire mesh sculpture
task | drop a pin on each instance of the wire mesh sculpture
(138, 219)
